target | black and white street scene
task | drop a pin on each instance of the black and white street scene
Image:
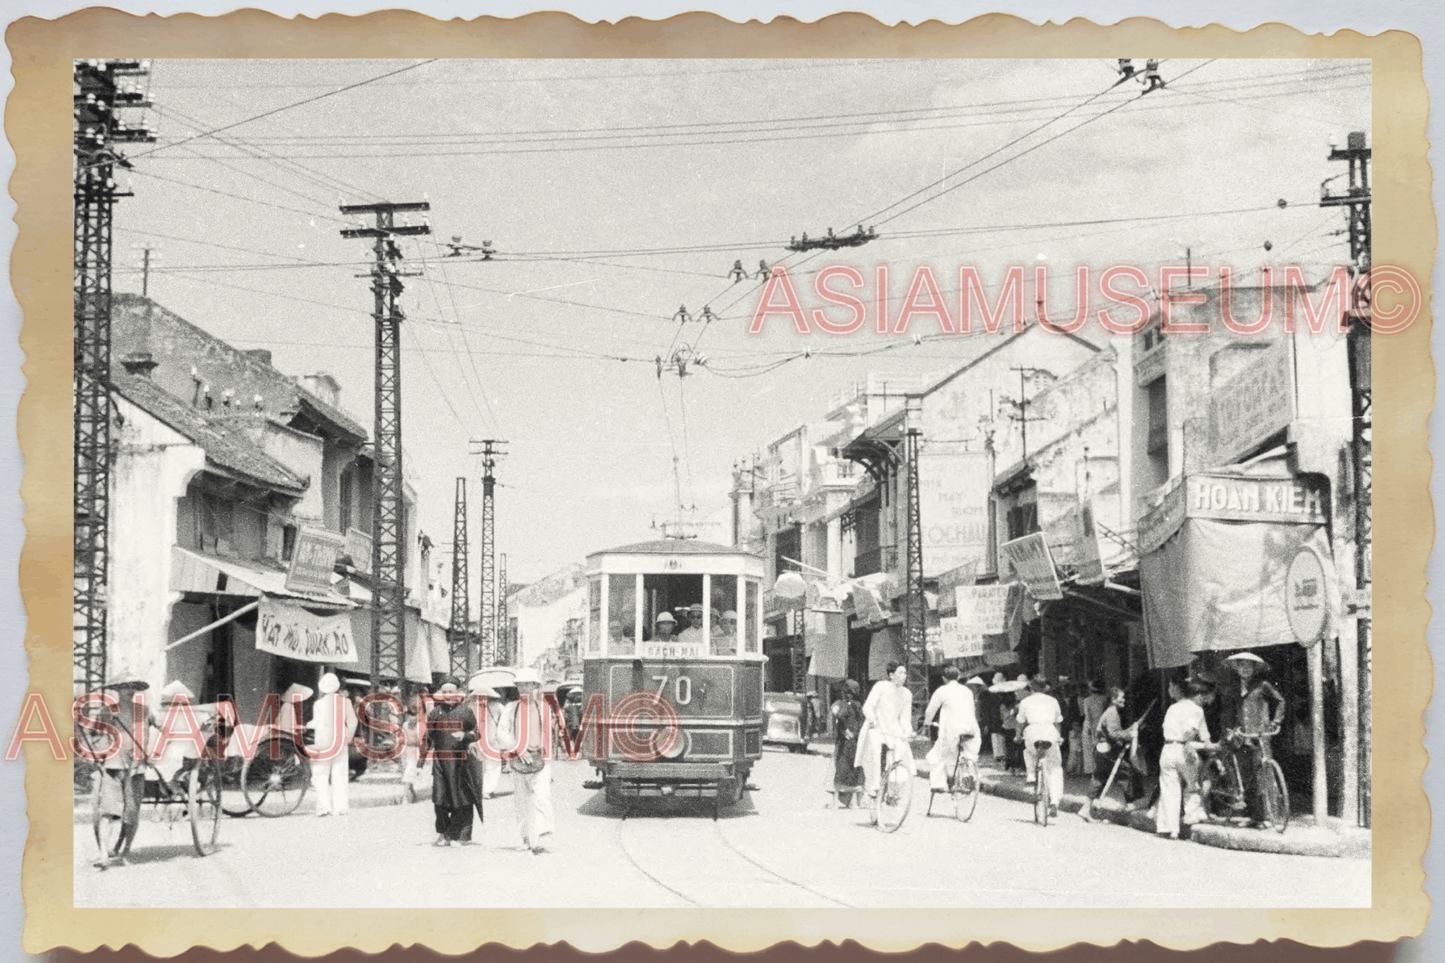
(722, 483)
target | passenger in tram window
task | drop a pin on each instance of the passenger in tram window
(620, 640)
(725, 634)
(662, 630)
(692, 634)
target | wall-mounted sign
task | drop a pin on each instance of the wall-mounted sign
(313, 559)
(1033, 564)
(982, 609)
(291, 631)
(1254, 404)
(358, 547)
(956, 641)
(1304, 596)
(953, 490)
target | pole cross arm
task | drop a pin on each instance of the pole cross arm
(403, 230)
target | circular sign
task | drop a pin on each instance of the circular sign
(1305, 597)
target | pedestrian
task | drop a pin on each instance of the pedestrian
(1000, 733)
(1113, 744)
(1039, 719)
(1255, 711)
(450, 730)
(412, 756)
(957, 715)
(1092, 707)
(290, 718)
(532, 793)
(888, 716)
(1073, 726)
(847, 725)
(1185, 735)
(981, 702)
(333, 721)
(479, 697)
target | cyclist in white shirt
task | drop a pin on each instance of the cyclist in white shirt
(1039, 716)
(953, 704)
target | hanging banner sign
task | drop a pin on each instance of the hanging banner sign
(313, 559)
(956, 639)
(291, 631)
(1033, 563)
(982, 609)
(1259, 401)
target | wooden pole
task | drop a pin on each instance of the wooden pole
(1317, 729)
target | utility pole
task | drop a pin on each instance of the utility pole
(462, 661)
(915, 606)
(490, 452)
(504, 641)
(1022, 406)
(145, 271)
(1357, 199)
(388, 555)
(97, 130)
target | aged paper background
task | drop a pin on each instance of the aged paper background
(37, 124)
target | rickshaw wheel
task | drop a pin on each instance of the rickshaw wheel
(233, 795)
(107, 828)
(275, 779)
(203, 802)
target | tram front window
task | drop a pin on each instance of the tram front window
(677, 596)
(621, 614)
(724, 634)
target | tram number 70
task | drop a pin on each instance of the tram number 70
(681, 689)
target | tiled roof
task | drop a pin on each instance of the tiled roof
(231, 451)
(674, 546)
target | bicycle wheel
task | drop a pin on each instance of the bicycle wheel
(105, 826)
(275, 779)
(1276, 796)
(895, 793)
(965, 789)
(1041, 793)
(203, 803)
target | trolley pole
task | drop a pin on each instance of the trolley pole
(388, 556)
(98, 130)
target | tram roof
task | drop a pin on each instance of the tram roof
(676, 546)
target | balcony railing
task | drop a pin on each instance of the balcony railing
(883, 558)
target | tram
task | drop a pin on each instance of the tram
(672, 649)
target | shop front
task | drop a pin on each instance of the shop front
(1220, 573)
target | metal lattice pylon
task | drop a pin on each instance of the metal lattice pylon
(504, 638)
(915, 606)
(460, 632)
(388, 553)
(98, 100)
(487, 610)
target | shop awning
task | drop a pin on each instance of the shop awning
(209, 575)
(1219, 585)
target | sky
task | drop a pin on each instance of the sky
(616, 191)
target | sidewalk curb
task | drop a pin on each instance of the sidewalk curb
(1298, 840)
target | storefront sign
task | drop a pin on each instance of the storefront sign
(1244, 499)
(358, 547)
(1256, 403)
(982, 609)
(1304, 597)
(291, 631)
(1235, 498)
(953, 492)
(1033, 563)
(950, 580)
(313, 559)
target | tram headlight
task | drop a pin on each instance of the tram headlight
(670, 743)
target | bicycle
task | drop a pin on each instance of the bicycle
(962, 786)
(1226, 797)
(1043, 805)
(895, 793)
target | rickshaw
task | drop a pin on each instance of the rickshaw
(275, 779)
(191, 792)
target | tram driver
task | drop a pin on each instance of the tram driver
(662, 630)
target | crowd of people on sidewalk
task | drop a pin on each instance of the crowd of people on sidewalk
(1157, 758)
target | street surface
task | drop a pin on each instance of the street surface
(781, 847)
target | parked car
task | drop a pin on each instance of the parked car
(787, 720)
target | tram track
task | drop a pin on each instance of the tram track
(710, 847)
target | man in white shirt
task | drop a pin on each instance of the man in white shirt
(692, 635)
(1039, 716)
(334, 721)
(1185, 733)
(953, 704)
(888, 713)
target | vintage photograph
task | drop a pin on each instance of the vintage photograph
(723, 483)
